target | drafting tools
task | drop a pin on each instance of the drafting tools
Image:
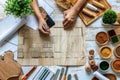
(69, 77)
(61, 74)
(56, 74)
(76, 77)
(64, 77)
(43, 73)
(29, 73)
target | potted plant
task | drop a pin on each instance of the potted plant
(109, 17)
(18, 8)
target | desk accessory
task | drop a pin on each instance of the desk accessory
(43, 74)
(55, 77)
(76, 77)
(29, 73)
(9, 68)
(61, 74)
(69, 77)
(100, 76)
(64, 77)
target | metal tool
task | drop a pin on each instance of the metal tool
(61, 74)
(56, 74)
(76, 77)
(69, 77)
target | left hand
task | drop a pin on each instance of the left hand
(70, 16)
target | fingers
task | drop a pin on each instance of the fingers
(46, 27)
(43, 31)
(66, 21)
(65, 13)
(68, 25)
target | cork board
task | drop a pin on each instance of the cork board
(61, 47)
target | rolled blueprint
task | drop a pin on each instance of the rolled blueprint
(100, 76)
(10, 26)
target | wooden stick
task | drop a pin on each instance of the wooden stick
(29, 73)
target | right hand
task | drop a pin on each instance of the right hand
(42, 23)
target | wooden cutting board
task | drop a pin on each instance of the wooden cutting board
(87, 19)
(9, 67)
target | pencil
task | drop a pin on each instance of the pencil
(29, 73)
(64, 77)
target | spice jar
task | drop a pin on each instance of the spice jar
(102, 38)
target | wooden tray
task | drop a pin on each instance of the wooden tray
(88, 20)
(109, 76)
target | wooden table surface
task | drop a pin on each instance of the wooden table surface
(90, 43)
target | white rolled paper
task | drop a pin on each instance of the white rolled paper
(100, 76)
(13, 23)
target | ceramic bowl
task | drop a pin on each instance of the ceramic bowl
(115, 64)
(102, 38)
(105, 52)
(117, 51)
(105, 64)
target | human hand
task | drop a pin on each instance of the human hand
(70, 16)
(43, 27)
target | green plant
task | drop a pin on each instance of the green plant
(109, 17)
(18, 7)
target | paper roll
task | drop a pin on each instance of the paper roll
(100, 76)
(13, 28)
